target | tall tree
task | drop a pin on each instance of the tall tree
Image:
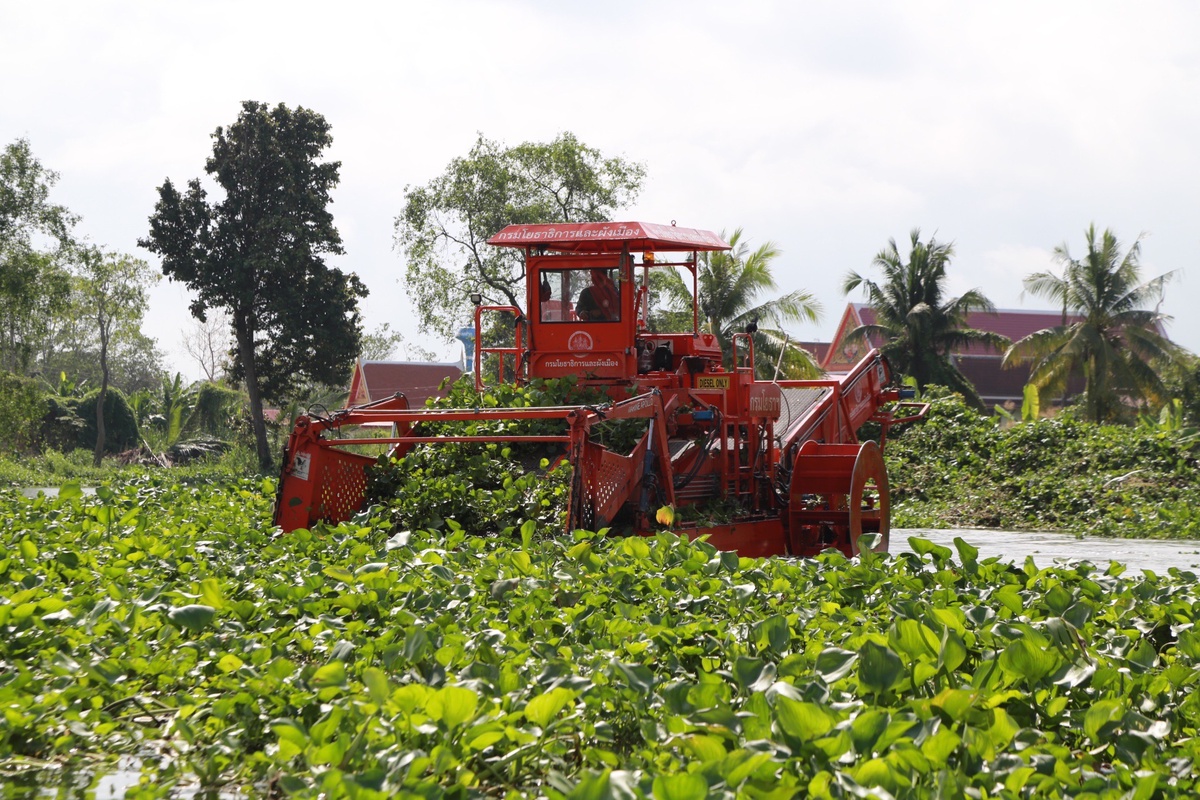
(731, 284)
(113, 293)
(34, 284)
(445, 223)
(1107, 331)
(919, 325)
(25, 207)
(258, 253)
(35, 290)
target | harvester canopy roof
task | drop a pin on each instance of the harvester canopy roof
(608, 237)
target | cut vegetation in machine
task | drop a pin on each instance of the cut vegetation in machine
(781, 459)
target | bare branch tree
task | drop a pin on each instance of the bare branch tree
(209, 343)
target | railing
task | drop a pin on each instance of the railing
(746, 361)
(506, 372)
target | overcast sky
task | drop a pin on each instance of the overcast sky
(827, 128)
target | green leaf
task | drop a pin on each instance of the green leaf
(377, 684)
(953, 650)
(1189, 643)
(229, 663)
(914, 639)
(706, 748)
(879, 669)
(939, 747)
(193, 617)
(874, 772)
(639, 677)
(593, 786)
(804, 721)
(339, 573)
(753, 674)
(544, 708)
(968, 554)
(925, 547)
(773, 632)
(416, 644)
(956, 703)
(210, 592)
(453, 705)
(867, 727)
(71, 490)
(741, 764)
(680, 786)
(486, 739)
(290, 730)
(833, 664)
(331, 674)
(1025, 659)
(1010, 597)
(1099, 715)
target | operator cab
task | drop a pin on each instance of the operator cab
(588, 299)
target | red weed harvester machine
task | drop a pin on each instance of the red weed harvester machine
(784, 454)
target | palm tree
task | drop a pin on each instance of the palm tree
(730, 283)
(1106, 332)
(920, 327)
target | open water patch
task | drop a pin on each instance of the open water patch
(50, 491)
(1047, 548)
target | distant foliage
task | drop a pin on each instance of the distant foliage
(119, 422)
(918, 324)
(960, 468)
(22, 405)
(60, 425)
(1115, 338)
(443, 229)
(217, 411)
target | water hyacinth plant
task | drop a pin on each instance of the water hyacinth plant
(172, 624)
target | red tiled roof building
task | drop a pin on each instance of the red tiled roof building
(978, 363)
(416, 380)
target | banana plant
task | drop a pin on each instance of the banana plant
(175, 401)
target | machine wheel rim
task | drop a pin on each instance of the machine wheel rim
(867, 467)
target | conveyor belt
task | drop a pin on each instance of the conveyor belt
(798, 402)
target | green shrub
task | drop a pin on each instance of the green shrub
(216, 412)
(22, 406)
(120, 425)
(959, 468)
(61, 427)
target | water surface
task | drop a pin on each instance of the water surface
(1157, 555)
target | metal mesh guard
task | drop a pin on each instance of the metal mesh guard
(612, 476)
(614, 471)
(343, 485)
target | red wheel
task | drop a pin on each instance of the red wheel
(869, 502)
